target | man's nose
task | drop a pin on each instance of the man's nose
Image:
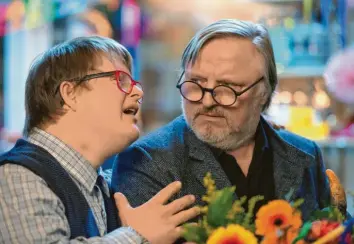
(208, 100)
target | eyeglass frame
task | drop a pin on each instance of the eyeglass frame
(211, 90)
(108, 74)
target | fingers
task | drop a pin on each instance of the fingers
(121, 202)
(192, 224)
(185, 215)
(180, 204)
(166, 193)
(177, 233)
(123, 206)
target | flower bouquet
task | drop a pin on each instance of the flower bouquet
(225, 221)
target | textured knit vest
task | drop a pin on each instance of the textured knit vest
(77, 210)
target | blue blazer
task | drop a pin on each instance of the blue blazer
(173, 152)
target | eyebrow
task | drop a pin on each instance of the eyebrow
(233, 82)
(195, 75)
(226, 80)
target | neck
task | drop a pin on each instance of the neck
(243, 155)
(91, 147)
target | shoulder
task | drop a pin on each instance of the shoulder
(13, 172)
(164, 146)
(301, 143)
(163, 141)
(164, 137)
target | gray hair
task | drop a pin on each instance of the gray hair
(256, 33)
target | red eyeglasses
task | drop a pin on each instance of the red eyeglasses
(124, 81)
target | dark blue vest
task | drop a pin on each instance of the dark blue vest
(77, 210)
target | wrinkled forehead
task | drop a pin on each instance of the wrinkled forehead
(226, 70)
(228, 57)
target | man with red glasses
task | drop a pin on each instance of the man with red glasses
(227, 80)
(81, 106)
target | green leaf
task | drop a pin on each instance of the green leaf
(289, 195)
(220, 205)
(320, 214)
(249, 215)
(329, 213)
(298, 203)
(194, 233)
(306, 228)
(239, 217)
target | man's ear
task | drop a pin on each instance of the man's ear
(68, 93)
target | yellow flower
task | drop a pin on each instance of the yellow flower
(233, 234)
(277, 216)
(209, 184)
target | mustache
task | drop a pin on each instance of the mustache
(213, 111)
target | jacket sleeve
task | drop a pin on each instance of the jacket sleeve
(323, 189)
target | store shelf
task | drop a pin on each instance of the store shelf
(340, 142)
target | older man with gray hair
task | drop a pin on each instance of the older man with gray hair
(227, 80)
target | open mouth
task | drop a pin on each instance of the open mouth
(131, 111)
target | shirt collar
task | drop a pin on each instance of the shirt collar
(107, 180)
(261, 137)
(73, 162)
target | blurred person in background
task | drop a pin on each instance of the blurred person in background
(339, 80)
(81, 105)
(227, 81)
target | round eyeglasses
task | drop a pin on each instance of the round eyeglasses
(222, 94)
(124, 81)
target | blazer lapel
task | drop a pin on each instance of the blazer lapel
(288, 175)
(289, 164)
(202, 161)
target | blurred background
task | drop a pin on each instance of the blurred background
(312, 42)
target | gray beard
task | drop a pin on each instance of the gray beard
(225, 142)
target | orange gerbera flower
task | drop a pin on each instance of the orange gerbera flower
(277, 215)
(233, 234)
(287, 238)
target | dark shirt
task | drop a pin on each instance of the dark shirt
(260, 179)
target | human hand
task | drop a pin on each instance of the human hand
(155, 220)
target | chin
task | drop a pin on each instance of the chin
(127, 136)
(205, 128)
(217, 140)
(206, 132)
(134, 133)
